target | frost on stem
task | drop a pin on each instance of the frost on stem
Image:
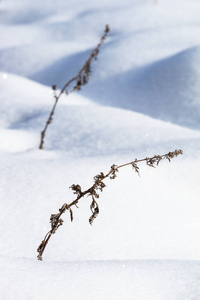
(93, 192)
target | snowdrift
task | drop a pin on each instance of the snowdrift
(142, 100)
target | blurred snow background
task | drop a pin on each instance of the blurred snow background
(143, 99)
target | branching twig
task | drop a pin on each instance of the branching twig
(93, 192)
(81, 79)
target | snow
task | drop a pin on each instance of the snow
(90, 279)
(142, 99)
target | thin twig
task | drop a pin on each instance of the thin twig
(93, 191)
(81, 79)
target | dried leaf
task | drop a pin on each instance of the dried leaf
(136, 168)
(94, 215)
(92, 206)
(113, 170)
(71, 214)
(76, 188)
(95, 210)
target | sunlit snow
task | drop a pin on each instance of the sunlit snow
(143, 98)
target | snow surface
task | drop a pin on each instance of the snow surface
(143, 99)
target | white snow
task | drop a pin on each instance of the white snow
(142, 99)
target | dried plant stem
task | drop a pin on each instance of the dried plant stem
(81, 79)
(43, 132)
(55, 219)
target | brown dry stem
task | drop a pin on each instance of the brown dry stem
(93, 192)
(81, 79)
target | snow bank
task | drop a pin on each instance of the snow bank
(118, 280)
(142, 99)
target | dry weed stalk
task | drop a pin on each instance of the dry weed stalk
(93, 192)
(80, 79)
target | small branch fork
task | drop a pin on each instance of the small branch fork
(93, 192)
(81, 79)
